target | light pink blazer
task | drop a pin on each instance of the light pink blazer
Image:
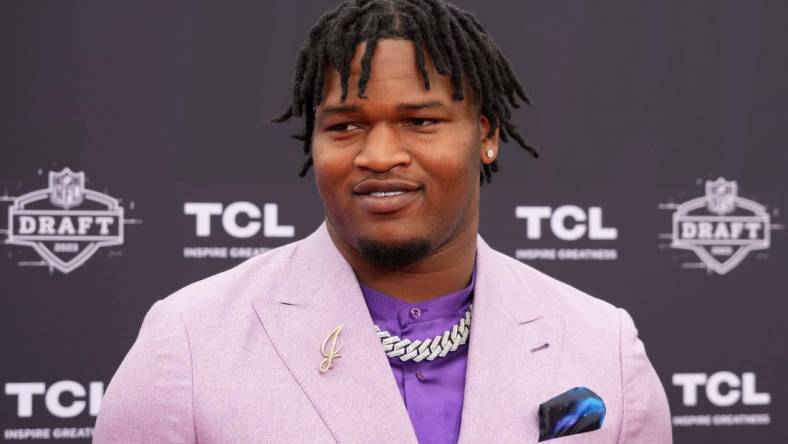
(234, 359)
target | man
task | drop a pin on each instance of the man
(404, 103)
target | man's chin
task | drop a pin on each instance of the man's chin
(394, 254)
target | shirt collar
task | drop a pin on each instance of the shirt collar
(384, 306)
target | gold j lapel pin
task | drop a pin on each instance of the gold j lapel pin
(330, 349)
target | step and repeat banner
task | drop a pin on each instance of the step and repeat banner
(137, 157)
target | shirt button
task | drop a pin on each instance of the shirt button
(415, 312)
(420, 376)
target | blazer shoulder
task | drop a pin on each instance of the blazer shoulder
(233, 287)
(556, 296)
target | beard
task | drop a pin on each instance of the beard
(387, 255)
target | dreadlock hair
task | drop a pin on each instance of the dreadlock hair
(458, 44)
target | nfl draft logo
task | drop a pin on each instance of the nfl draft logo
(66, 223)
(721, 228)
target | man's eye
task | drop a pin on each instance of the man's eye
(340, 127)
(421, 122)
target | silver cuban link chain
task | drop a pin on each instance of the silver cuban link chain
(430, 348)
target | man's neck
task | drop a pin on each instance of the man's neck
(448, 270)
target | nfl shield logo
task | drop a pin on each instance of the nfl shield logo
(66, 188)
(721, 196)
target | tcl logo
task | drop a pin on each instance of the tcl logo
(80, 398)
(722, 389)
(567, 222)
(250, 225)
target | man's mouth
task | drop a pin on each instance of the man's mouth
(385, 196)
(387, 193)
(382, 187)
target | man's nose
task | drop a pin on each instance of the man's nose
(383, 150)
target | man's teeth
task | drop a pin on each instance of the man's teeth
(387, 193)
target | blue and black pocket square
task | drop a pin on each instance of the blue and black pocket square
(577, 410)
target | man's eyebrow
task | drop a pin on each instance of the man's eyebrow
(420, 105)
(340, 109)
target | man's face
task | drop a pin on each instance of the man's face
(398, 171)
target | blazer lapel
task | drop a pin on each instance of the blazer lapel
(357, 398)
(513, 355)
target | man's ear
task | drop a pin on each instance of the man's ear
(488, 149)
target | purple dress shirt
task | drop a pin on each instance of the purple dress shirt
(432, 390)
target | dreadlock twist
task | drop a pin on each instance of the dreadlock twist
(458, 44)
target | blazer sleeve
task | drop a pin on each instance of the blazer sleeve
(150, 397)
(646, 416)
